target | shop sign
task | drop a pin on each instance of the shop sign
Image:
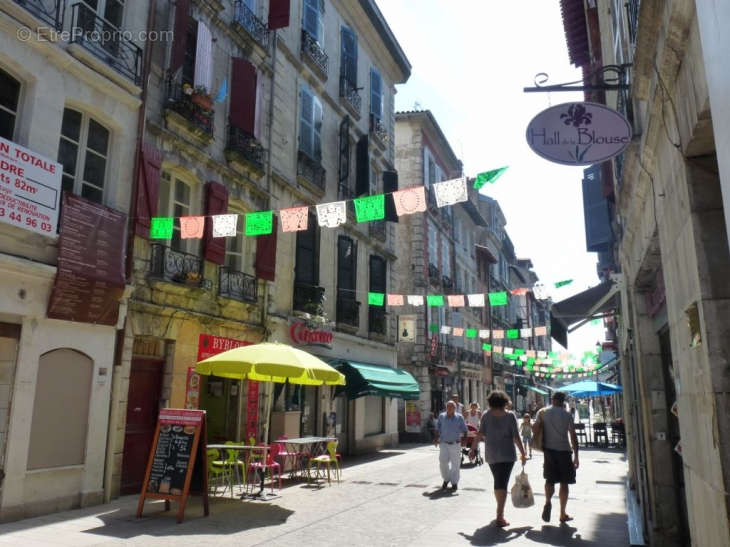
(192, 390)
(210, 345)
(413, 417)
(30, 189)
(252, 409)
(406, 328)
(311, 334)
(579, 133)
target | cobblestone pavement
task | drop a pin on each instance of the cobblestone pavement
(391, 498)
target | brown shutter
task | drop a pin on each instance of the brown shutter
(390, 184)
(266, 255)
(362, 167)
(182, 19)
(243, 95)
(148, 188)
(279, 14)
(216, 203)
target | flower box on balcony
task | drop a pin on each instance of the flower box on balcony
(203, 100)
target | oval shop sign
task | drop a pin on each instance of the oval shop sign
(578, 133)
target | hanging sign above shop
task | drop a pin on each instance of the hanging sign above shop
(578, 133)
(310, 334)
(210, 345)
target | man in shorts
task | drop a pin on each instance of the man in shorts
(559, 467)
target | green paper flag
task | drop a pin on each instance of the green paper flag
(596, 322)
(161, 227)
(498, 298)
(470, 333)
(513, 333)
(370, 208)
(435, 300)
(434, 328)
(376, 298)
(563, 283)
(487, 347)
(553, 355)
(488, 177)
(259, 223)
(519, 351)
(530, 361)
(560, 376)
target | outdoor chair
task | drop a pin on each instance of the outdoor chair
(328, 459)
(234, 466)
(216, 471)
(580, 434)
(600, 434)
(618, 434)
(270, 464)
(285, 455)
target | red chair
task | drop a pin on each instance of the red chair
(269, 465)
(284, 453)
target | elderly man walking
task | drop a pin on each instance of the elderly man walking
(449, 429)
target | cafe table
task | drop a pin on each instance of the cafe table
(242, 448)
(305, 448)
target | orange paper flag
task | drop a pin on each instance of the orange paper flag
(294, 219)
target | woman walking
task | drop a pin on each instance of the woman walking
(526, 432)
(498, 428)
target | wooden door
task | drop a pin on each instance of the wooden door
(143, 401)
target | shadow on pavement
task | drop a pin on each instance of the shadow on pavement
(491, 534)
(440, 493)
(227, 516)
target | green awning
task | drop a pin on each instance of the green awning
(537, 390)
(381, 381)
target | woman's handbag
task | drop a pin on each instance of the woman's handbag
(522, 491)
(538, 432)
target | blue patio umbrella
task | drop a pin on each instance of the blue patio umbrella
(587, 388)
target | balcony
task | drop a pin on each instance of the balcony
(376, 229)
(237, 285)
(378, 130)
(450, 352)
(106, 42)
(176, 266)
(244, 147)
(311, 171)
(245, 20)
(632, 12)
(314, 55)
(50, 12)
(352, 99)
(348, 310)
(191, 111)
(433, 275)
(308, 299)
(376, 320)
(447, 282)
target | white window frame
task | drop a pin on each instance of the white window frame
(166, 207)
(445, 257)
(433, 244)
(16, 113)
(375, 76)
(312, 125)
(315, 6)
(101, 7)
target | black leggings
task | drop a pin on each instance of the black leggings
(501, 472)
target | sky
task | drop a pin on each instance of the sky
(470, 61)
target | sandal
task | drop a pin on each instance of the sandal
(501, 523)
(565, 518)
(546, 512)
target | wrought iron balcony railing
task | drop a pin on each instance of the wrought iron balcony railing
(632, 11)
(106, 42)
(450, 353)
(245, 19)
(237, 285)
(376, 229)
(377, 128)
(433, 274)
(314, 55)
(311, 170)
(446, 280)
(197, 113)
(50, 12)
(348, 309)
(246, 146)
(349, 92)
(176, 266)
(308, 298)
(376, 319)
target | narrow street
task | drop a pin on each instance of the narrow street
(391, 498)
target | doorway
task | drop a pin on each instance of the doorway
(143, 402)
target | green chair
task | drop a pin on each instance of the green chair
(216, 471)
(234, 466)
(328, 459)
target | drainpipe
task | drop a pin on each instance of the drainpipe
(113, 407)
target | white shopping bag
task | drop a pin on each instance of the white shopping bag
(522, 492)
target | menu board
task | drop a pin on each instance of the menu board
(178, 460)
(90, 277)
(30, 188)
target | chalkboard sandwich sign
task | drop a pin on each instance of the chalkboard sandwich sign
(178, 462)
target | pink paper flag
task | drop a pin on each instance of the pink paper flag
(540, 331)
(294, 219)
(458, 331)
(395, 299)
(410, 200)
(497, 349)
(519, 292)
(530, 353)
(191, 227)
(497, 334)
(456, 300)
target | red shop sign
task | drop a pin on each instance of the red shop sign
(304, 334)
(209, 345)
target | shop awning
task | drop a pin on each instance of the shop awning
(581, 307)
(537, 390)
(378, 380)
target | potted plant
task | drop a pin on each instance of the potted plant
(193, 279)
(202, 99)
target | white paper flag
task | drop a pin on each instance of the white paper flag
(541, 354)
(476, 300)
(523, 358)
(450, 192)
(507, 349)
(525, 333)
(445, 330)
(415, 299)
(484, 333)
(331, 215)
(224, 225)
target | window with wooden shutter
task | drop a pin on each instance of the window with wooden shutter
(279, 12)
(344, 159)
(313, 19)
(243, 95)
(266, 254)
(390, 185)
(599, 236)
(179, 44)
(306, 269)
(376, 314)
(362, 161)
(204, 57)
(310, 125)
(216, 203)
(148, 188)
(376, 94)
(346, 266)
(348, 59)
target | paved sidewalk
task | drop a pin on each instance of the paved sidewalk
(390, 499)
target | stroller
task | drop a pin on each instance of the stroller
(466, 444)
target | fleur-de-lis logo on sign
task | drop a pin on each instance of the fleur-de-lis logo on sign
(577, 116)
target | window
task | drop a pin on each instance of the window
(175, 199)
(240, 250)
(310, 125)
(374, 415)
(348, 61)
(346, 266)
(111, 10)
(373, 181)
(445, 257)
(376, 314)
(433, 245)
(58, 439)
(376, 94)
(9, 97)
(82, 151)
(313, 20)
(307, 254)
